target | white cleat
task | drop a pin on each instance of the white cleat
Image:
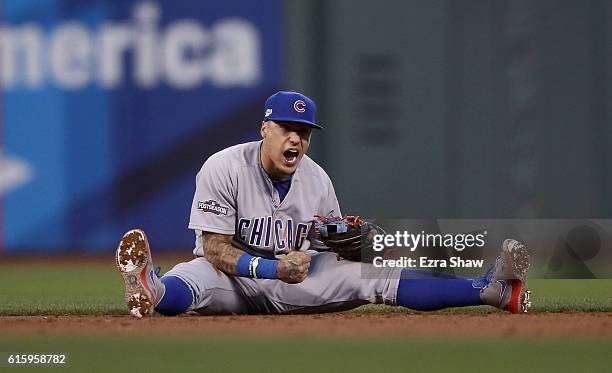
(134, 262)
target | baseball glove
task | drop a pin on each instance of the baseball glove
(348, 236)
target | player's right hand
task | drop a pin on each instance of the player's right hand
(293, 267)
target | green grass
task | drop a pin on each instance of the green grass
(547, 296)
(96, 289)
(58, 289)
(320, 354)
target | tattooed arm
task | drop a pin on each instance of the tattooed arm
(218, 250)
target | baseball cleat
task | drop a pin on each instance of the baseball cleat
(505, 284)
(512, 263)
(142, 287)
(509, 295)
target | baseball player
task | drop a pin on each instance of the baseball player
(257, 249)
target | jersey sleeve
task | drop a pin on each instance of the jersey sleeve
(214, 203)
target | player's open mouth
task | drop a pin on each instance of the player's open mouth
(290, 156)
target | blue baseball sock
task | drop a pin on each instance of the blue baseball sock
(424, 290)
(177, 299)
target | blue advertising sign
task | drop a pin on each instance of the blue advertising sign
(109, 108)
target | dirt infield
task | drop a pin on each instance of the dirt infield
(328, 325)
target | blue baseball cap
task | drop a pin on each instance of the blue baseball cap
(291, 107)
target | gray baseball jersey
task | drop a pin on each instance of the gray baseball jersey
(234, 195)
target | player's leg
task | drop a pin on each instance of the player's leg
(330, 286)
(212, 291)
(503, 286)
(334, 285)
(428, 293)
(188, 286)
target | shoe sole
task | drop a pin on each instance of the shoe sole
(519, 300)
(516, 256)
(131, 259)
(517, 259)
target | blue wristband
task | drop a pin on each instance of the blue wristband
(266, 268)
(256, 267)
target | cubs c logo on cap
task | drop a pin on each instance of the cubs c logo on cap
(299, 106)
(289, 106)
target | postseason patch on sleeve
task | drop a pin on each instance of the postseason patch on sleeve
(212, 207)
